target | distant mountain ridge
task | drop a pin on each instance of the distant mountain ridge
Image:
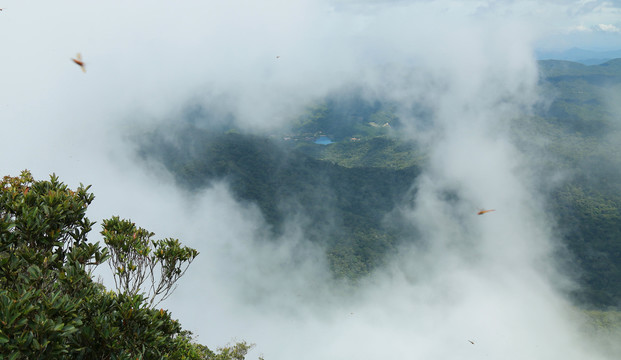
(586, 57)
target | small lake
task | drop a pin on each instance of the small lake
(323, 140)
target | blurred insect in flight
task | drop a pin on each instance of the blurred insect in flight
(481, 212)
(78, 60)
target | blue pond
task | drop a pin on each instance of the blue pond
(323, 140)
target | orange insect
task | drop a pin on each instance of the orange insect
(481, 212)
(78, 60)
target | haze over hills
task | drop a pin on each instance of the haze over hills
(349, 192)
(369, 247)
(582, 56)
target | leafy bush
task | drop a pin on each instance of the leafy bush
(50, 307)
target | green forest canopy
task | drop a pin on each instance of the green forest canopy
(368, 169)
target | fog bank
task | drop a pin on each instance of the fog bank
(486, 279)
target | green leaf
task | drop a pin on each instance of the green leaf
(34, 271)
(70, 328)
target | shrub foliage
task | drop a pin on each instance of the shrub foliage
(50, 307)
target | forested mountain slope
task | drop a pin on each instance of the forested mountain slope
(343, 208)
(582, 125)
(346, 192)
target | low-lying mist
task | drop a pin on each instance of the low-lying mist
(459, 285)
(460, 76)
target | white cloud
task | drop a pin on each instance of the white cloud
(147, 59)
(581, 28)
(608, 28)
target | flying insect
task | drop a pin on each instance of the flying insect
(78, 60)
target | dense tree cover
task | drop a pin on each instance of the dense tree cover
(605, 320)
(348, 190)
(368, 152)
(344, 208)
(347, 114)
(581, 128)
(581, 95)
(50, 307)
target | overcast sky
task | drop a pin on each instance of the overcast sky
(146, 60)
